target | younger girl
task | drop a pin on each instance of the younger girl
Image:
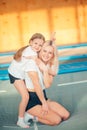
(16, 73)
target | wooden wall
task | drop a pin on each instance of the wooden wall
(19, 19)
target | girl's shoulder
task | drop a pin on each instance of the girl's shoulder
(29, 52)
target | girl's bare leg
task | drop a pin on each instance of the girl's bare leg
(59, 109)
(21, 88)
(50, 118)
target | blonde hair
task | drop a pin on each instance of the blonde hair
(54, 60)
(18, 54)
(37, 35)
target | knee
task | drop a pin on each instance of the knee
(56, 121)
(67, 115)
(25, 97)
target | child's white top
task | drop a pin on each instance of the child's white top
(16, 68)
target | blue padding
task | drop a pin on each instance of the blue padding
(72, 46)
(63, 69)
(62, 58)
(3, 72)
(59, 47)
(3, 65)
(4, 77)
(73, 67)
(7, 53)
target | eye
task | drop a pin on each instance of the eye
(35, 43)
(40, 45)
(50, 53)
(44, 50)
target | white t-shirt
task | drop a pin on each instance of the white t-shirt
(16, 68)
(29, 52)
(32, 66)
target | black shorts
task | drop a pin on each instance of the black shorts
(12, 78)
(34, 100)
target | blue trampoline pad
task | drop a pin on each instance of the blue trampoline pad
(69, 89)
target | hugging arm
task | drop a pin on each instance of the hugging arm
(51, 71)
(47, 78)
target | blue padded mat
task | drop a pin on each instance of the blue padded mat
(4, 65)
(4, 74)
(72, 96)
(73, 46)
(63, 69)
(62, 58)
(7, 53)
(73, 67)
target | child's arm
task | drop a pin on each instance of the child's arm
(30, 57)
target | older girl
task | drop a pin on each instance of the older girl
(37, 79)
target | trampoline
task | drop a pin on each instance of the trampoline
(68, 89)
(68, 63)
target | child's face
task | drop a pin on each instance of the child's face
(36, 44)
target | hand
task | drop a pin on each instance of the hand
(44, 108)
(41, 65)
(53, 36)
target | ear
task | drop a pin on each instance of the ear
(30, 42)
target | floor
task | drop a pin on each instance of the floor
(68, 89)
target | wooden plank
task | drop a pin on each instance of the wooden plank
(19, 19)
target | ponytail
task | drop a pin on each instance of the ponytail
(18, 54)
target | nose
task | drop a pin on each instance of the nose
(46, 54)
(37, 47)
